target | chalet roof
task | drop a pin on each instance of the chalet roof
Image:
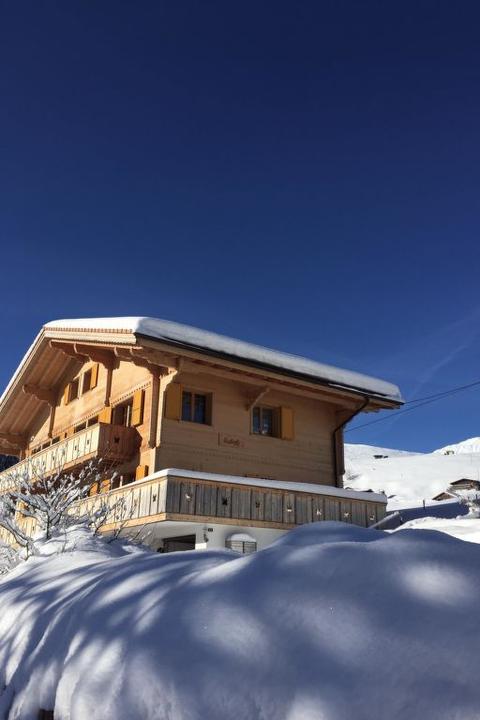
(212, 343)
(45, 365)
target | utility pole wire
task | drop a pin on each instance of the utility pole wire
(420, 402)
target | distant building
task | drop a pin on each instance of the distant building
(214, 438)
(462, 484)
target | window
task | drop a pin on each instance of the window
(240, 543)
(273, 422)
(195, 408)
(90, 378)
(122, 414)
(265, 421)
(87, 379)
(72, 390)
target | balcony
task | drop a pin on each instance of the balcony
(201, 497)
(186, 496)
(111, 443)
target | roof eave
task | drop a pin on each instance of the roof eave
(383, 401)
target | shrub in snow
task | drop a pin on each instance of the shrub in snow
(469, 497)
(9, 558)
(40, 505)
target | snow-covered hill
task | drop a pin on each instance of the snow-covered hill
(332, 622)
(472, 445)
(407, 478)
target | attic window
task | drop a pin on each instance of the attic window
(71, 391)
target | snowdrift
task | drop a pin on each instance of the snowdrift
(332, 622)
(464, 528)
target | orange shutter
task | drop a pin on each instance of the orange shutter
(94, 376)
(173, 402)
(287, 430)
(141, 472)
(104, 486)
(105, 415)
(137, 408)
(66, 393)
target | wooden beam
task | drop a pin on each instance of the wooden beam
(154, 404)
(86, 352)
(141, 360)
(48, 395)
(102, 356)
(320, 392)
(17, 441)
(67, 349)
(253, 399)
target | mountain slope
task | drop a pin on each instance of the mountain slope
(472, 445)
(406, 478)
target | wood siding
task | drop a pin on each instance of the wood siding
(228, 445)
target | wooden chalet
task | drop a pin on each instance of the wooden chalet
(213, 440)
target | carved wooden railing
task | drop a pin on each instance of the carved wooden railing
(113, 443)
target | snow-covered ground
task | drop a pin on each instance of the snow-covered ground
(408, 478)
(332, 622)
(463, 528)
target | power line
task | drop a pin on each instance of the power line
(445, 392)
(420, 402)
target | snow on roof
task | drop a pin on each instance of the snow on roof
(312, 488)
(241, 537)
(192, 337)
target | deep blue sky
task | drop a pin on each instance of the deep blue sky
(301, 175)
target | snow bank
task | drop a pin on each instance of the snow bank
(333, 622)
(464, 528)
(192, 337)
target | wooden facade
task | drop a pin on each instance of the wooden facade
(110, 394)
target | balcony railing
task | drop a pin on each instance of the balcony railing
(112, 443)
(167, 496)
(180, 496)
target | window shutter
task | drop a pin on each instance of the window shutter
(173, 402)
(93, 489)
(287, 430)
(208, 410)
(94, 376)
(141, 472)
(105, 486)
(105, 415)
(137, 408)
(66, 394)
